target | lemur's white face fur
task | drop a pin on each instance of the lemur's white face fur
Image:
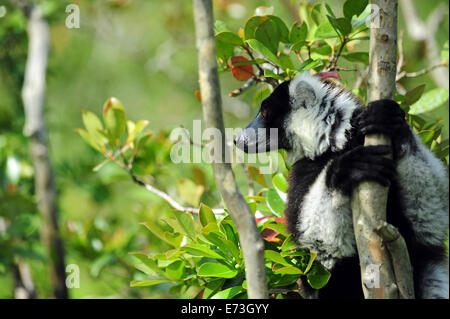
(311, 116)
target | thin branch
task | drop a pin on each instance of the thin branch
(403, 74)
(334, 59)
(33, 96)
(249, 83)
(249, 236)
(124, 164)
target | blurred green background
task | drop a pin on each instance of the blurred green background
(142, 52)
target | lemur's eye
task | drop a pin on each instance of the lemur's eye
(264, 114)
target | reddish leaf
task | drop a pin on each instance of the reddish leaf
(201, 294)
(270, 235)
(262, 219)
(281, 220)
(198, 95)
(326, 75)
(241, 72)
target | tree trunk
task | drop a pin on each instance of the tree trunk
(33, 96)
(249, 236)
(374, 237)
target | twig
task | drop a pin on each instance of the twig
(400, 258)
(334, 59)
(244, 87)
(172, 202)
(403, 74)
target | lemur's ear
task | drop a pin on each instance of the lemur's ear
(303, 94)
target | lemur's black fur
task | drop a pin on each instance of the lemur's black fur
(330, 160)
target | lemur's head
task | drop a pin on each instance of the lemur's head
(310, 116)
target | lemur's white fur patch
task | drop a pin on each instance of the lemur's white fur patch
(309, 127)
(326, 223)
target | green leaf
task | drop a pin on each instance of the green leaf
(361, 57)
(225, 245)
(148, 262)
(216, 270)
(201, 250)
(330, 12)
(318, 276)
(261, 95)
(92, 124)
(230, 38)
(325, 31)
(312, 257)
(276, 257)
(135, 129)
(297, 46)
(176, 270)
(318, 13)
(268, 34)
(344, 25)
(270, 74)
(287, 270)
(88, 139)
(172, 239)
(187, 222)
(230, 231)
(412, 96)
(282, 28)
(206, 215)
(288, 244)
(228, 293)
(279, 227)
(252, 24)
(274, 202)
(146, 283)
(430, 101)
(256, 175)
(298, 33)
(224, 50)
(212, 287)
(354, 7)
(115, 118)
(261, 48)
(280, 182)
(309, 64)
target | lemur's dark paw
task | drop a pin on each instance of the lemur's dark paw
(363, 163)
(382, 116)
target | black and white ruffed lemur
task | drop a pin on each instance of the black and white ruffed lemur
(322, 127)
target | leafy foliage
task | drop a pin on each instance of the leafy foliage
(205, 258)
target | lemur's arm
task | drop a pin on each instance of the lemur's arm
(421, 177)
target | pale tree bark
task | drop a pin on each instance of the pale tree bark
(374, 237)
(33, 96)
(249, 236)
